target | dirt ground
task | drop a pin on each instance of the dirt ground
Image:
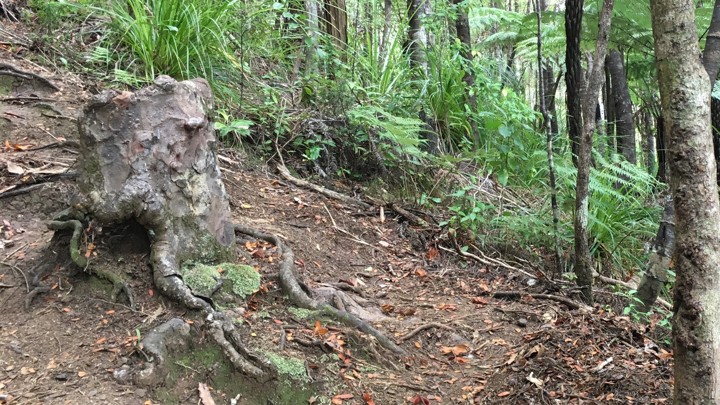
(71, 344)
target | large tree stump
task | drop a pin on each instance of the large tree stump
(150, 156)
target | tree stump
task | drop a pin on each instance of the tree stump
(150, 156)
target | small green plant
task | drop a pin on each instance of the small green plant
(232, 129)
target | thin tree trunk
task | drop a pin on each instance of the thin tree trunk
(624, 124)
(386, 31)
(661, 148)
(649, 142)
(596, 76)
(685, 97)
(313, 27)
(549, 136)
(417, 32)
(573, 76)
(462, 28)
(609, 113)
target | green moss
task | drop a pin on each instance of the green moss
(245, 280)
(289, 366)
(241, 279)
(302, 313)
(201, 278)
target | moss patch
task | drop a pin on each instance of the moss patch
(241, 279)
(289, 366)
(302, 313)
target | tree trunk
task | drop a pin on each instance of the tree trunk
(549, 137)
(609, 101)
(624, 124)
(313, 28)
(418, 33)
(655, 276)
(649, 141)
(661, 148)
(387, 11)
(336, 24)
(574, 75)
(596, 76)
(685, 97)
(462, 27)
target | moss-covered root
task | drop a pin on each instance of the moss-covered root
(76, 254)
(299, 297)
(227, 337)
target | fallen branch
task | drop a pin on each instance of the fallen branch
(10, 70)
(291, 286)
(423, 327)
(285, 173)
(20, 191)
(567, 301)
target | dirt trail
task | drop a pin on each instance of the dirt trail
(466, 347)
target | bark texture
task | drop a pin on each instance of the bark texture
(574, 75)
(656, 276)
(624, 125)
(150, 156)
(685, 98)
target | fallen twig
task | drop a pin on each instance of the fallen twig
(20, 191)
(10, 70)
(423, 327)
(285, 173)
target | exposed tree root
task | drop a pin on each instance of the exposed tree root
(423, 327)
(10, 70)
(290, 285)
(77, 256)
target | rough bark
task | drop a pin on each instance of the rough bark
(685, 97)
(655, 275)
(150, 155)
(313, 28)
(624, 125)
(711, 63)
(596, 76)
(573, 75)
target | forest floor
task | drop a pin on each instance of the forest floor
(465, 345)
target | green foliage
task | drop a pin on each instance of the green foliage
(183, 39)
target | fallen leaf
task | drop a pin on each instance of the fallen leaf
(82, 374)
(205, 396)
(367, 397)
(479, 300)
(418, 400)
(432, 253)
(420, 272)
(458, 350)
(504, 394)
(14, 168)
(319, 330)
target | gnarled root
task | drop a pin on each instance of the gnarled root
(291, 286)
(77, 256)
